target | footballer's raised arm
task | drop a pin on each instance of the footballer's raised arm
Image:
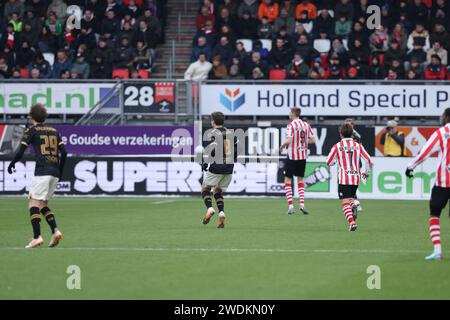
(366, 157)
(331, 160)
(288, 139)
(428, 149)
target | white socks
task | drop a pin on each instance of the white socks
(438, 249)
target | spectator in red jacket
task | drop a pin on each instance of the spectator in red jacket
(435, 70)
(203, 17)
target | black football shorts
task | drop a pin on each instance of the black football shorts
(439, 198)
(347, 191)
(294, 168)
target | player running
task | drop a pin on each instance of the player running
(440, 195)
(298, 135)
(50, 156)
(349, 156)
(357, 138)
(218, 168)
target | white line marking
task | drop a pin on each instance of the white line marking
(163, 202)
(232, 250)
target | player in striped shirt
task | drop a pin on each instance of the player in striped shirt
(298, 135)
(356, 137)
(354, 164)
(440, 195)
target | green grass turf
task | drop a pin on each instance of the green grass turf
(325, 262)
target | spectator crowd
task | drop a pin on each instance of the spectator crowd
(321, 39)
(37, 42)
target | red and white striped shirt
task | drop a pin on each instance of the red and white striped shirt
(299, 132)
(349, 154)
(439, 141)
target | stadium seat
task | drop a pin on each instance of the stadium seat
(330, 12)
(345, 43)
(322, 45)
(120, 74)
(277, 74)
(144, 74)
(248, 44)
(266, 43)
(25, 73)
(49, 57)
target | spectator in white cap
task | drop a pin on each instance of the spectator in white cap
(393, 140)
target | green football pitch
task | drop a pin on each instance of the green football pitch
(157, 248)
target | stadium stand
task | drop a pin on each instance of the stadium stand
(411, 43)
(277, 74)
(32, 29)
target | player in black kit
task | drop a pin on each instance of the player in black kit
(50, 155)
(219, 167)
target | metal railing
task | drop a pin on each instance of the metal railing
(172, 60)
(99, 115)
(179, 26)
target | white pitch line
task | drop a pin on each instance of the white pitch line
(232, 250)
(163, 202)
